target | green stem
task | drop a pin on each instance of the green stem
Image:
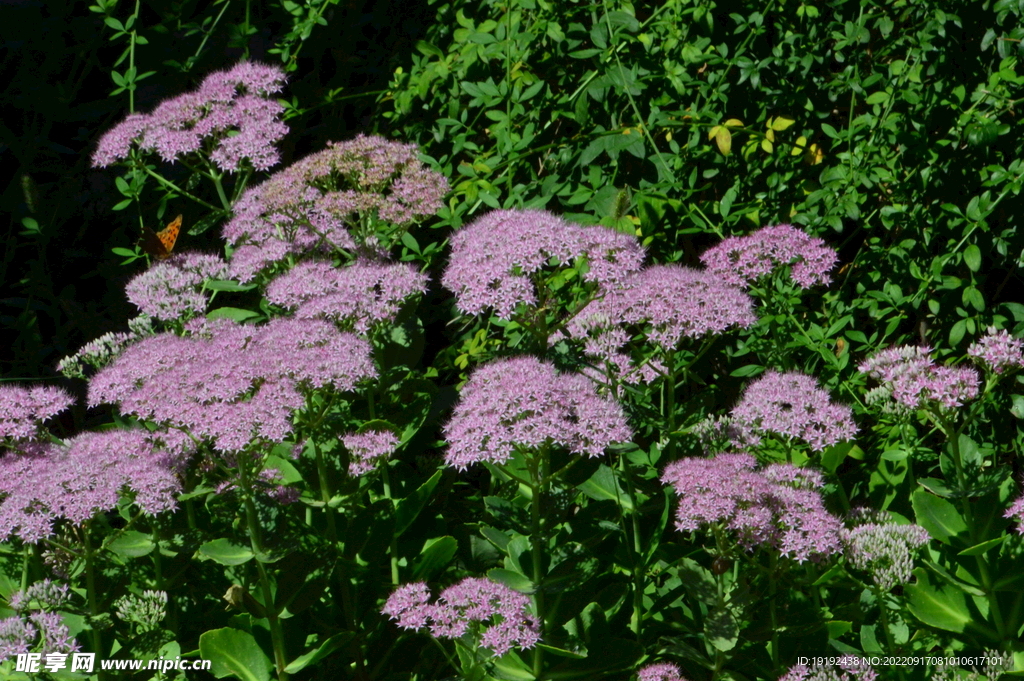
(393, 548)
(256, 542)
(220, 191)
(953, 435)
(670, 404)
(167, 183)
(538, 473)
(24, 566)
(325, 492)
(883, 617)
(773, 564)
(91, 593)
(720, 596)
(638, 560)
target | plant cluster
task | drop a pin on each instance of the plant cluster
(613, 449)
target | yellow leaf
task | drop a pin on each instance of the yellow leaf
(733, 123)
(714, 132)
(814, 155)
(781, 123)
(724, 141)
(770, 135)
(627, 131)
(767, 145)
(798, 147)
(668, 136)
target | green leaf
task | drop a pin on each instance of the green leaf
(226, 285)
(512, 580)
(721, 629)
(833, 456)
(233, 313)
(936, 487)
(408, 509)
(938, 605)
(938, 516)
(132, 544)
(435, 555)
(233, 652)
(972, 257)
(1018, 406)
(603, 486)
(877, 98)
(981, 548)
(225, 552)
(748, 370)
(314, 656)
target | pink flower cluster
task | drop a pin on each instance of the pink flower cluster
(741, 260)
(779, 507)
(510, 624)
(525, 403)
(231, 383)
(493, 258)
(173, 289)
(22, 410)
(325, 201)
(666, 671)
(42, 632)
(87, 476)
(998, 350)
(849, 669)
(913, 380)
(1016, 513)
(793, 406)
(666, 303)
(361, 296)
(367, 449)
(231, 117)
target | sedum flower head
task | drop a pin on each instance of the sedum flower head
(43, 595)
(494, 257)
(792, 406)
(23, 410)
(147, 609)
(367, 449)
(1016, 513)
(779, 507)
(361, 296)
(173, 289)
(101, 351)
(666, 671)
(526, 403)
(998, 350)
(913, 381)
(40, 632)
(86, 476)
(17, 637)
(849, 669)
(231, 117)
(317, 204)
(741, 260)
(666, 303)
(229, 383)
(474, 600)
(885, 551)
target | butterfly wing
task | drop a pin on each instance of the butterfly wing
(160, 244)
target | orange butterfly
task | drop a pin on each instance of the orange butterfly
(160, 244)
